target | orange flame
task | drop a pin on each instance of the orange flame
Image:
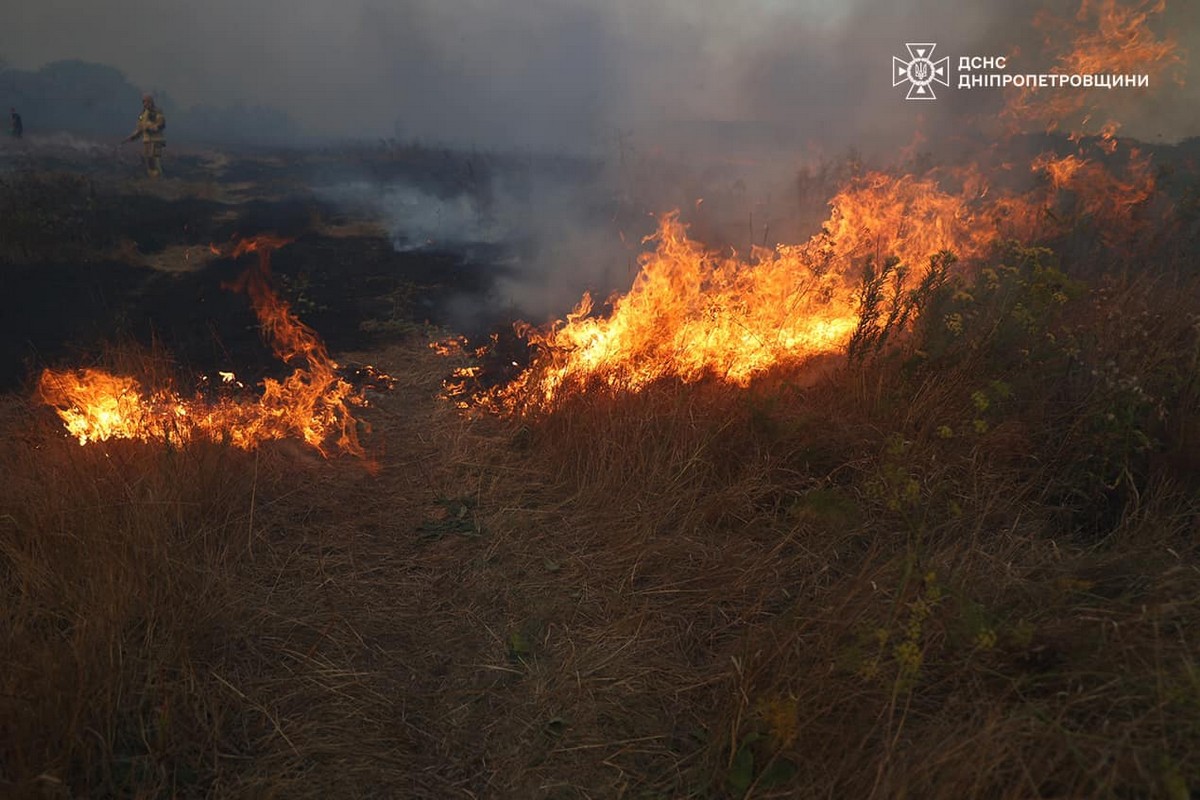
(311, 404)
(1106, 37)
(1099, 194)
(693, 313)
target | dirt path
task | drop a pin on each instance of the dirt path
(446, 627)
(365, 616)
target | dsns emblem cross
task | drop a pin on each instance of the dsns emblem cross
(921, 71)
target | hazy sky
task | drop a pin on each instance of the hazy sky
(558, 72)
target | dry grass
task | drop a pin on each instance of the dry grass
(816, 590)
(692, 592)
(118, 566)
(748, 608)
(948, 570)
(187, 622)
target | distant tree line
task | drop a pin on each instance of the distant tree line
(91, 99)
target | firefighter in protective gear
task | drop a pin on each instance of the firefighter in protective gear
(150, 126)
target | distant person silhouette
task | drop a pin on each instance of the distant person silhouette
(150, 126)
(18, 128)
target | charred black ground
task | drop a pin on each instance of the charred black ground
(355, 288)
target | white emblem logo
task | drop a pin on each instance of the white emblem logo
(921, 71)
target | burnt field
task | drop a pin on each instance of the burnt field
(908, 508)
(89, 258)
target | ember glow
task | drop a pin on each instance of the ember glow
(312, 403)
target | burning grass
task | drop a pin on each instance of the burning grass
(953, 556)
(801, 586)
(931, 557)
(960, 563)
(949, 571)
(850, 518)
(694, 312)
(312, 404)
(1104, 36)
(188, 619)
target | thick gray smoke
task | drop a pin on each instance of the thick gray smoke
(549, 233)
(725, 110)
(574, 75)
